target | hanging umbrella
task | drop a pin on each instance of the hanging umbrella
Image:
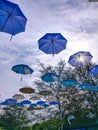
(53, 103)
(18, 96)
(52, 43)
(93, 70)
(70, 117)
(93, 0)
(12, 20)
(94, 88)
(80, 59)
(85, 86)
(34, 98)
(26, 102)
(69, 82)
(11, 101)
(33, 105)
(27, 90)
(45, 105)
(45, 92)
(40, 102)
(22, 69)
(50, 77)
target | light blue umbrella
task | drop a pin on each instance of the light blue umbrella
(69, 83)
(33, 105)
(22, 69)
(50, 77)
(85, 86)
(94, 88)
(45, 105)
(80, 59)
(52, 43)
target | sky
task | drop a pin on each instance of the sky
(76, 20)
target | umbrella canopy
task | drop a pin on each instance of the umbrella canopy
(22, 69)
(18, 96)
(53, 103)
(93, 0)
(85, 86)
(50, 77)
(80, 59)
(69, 82)
(52, 43)
(11, 101)
(34, 98)
(93, 70)
(40, 102)
(27, 90)
(45, 92)
(25, 102)
(94, 88)
(12, 20)
(33, 105)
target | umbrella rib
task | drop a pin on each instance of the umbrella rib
(9, 14)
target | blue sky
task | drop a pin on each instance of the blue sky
(76, 20)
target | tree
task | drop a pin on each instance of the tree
(13, 119)
(70, 102)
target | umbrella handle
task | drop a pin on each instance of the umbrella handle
(11, 38)
(21, 78)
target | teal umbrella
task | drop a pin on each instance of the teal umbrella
(69, 82)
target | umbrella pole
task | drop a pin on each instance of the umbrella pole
(21, 78)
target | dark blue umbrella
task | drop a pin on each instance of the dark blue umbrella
(22, 69)
(80, 59)
(40, 103)
(53, 103)
(12, 20)
(69, 82)
(10, 101)
(52, 43)
(93, 70)
(50, 77)
(26, 102)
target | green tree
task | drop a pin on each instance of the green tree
(13, 119)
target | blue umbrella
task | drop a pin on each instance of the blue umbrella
(40, 103)
(12, 20)
(22, 69)
(52, 43)
(69, 82)
(26, 102)
(53, 103)
(85, 86)
(19, 104)
(94, 88)
(80, 59)
(45, 105)
(33, 105)
(50, 77)
(4, 103)
(10, 101)
(93, 70)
